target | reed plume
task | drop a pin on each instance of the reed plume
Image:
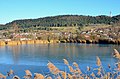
(53, 69)
(64, 74)
(108, 75)
(81, 77)
(74, 77)
(56, 71)
(109, 66)
(27, 77)
(58, 77)
(71, 69)
(118, 66)
(99, 71)
(2, 76)
(38, 76)
(28, 73)
(78, 71)
(69, 76)
(75, 64)
(98, 62)
(92, 74)
(88, 68)
(16, 77)
(49, 77)
(11, 72)
(87, 77)
(118, 77)
(116, 54)
(66, 62)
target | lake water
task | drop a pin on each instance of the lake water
(35, 57)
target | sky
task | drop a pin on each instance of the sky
(29, 9)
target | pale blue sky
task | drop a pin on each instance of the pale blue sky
(26, 9)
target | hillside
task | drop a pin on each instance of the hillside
(63, 20)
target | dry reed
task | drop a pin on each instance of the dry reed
(16, 77)
(53, 69)
(28, 73)
(98, 62)
(11, 72)
(64, 74)
(88, 68)
(66, 62)
(116, 54)
(38, 76)
(71, 69)
(69, 76)
(75, 64)
(49, 77)
(2, 76)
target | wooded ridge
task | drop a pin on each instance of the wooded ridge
(63, 20)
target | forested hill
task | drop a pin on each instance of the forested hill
(64, 20)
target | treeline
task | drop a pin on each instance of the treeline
(3, 27)
(63, 20)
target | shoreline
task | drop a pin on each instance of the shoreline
(100, 41)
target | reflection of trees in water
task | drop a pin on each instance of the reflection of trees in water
(61, 51)
(16, 53)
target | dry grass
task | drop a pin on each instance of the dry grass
(65, 29)
(86, 28)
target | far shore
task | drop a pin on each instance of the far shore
(100, 41)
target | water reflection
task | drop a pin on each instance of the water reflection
(15, 54)
(39, 54)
